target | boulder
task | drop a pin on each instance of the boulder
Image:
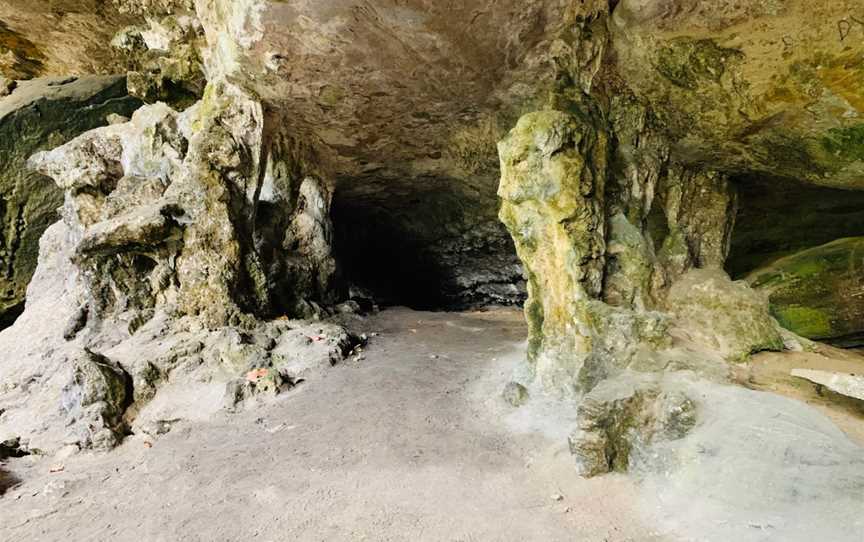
(817, 293)
(724, 315)
(621, 417)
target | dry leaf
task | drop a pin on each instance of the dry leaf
(256, 374)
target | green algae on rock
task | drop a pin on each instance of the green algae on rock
(744, 89)
(552, 187)
(814, 293)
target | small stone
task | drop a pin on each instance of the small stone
(6, 86)
(516, 394)
(846, 384)
(349, 307)
(114, 118)
(557, 497)
(433, 356)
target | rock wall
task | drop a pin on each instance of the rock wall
(623, 245)
(760, 86)
(40, 114)
(166, 213)
(182, 236)
(607, 223)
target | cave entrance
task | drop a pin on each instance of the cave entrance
(429, 248)
(379, 251)
(803, 246)
(780, 217)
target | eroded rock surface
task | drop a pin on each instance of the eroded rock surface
(621, 418)
(849, 385)
(182, 236)
(41, 114)
(763, 86)
(728, 317)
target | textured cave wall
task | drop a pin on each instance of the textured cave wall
(775, 88)
(623, 237)
(624, 228)
(174, 212)
(41, 114)
(406, 113)
(59, 38)
(188, 242)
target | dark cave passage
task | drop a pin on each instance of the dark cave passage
(431, 250)
(778, 217)
(375, 253)
(804, 247)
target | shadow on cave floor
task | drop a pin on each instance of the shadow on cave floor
(7, 480)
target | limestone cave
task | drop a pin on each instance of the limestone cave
(510, 270)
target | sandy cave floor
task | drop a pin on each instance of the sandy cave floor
(412, 442)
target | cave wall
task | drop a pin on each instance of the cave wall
(40, 114)
(620, 192)
(623, 127)
(173, 211)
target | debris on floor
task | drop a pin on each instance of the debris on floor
(849, 385)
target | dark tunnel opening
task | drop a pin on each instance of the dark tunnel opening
(427, 250)
(378, 255)
(803, 246)
(779, 217)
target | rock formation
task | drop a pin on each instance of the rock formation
(39, 114)
(626, 133)
(179, 232)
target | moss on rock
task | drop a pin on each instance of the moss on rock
(689, 63)
(846, 143)
(814, 293)
(552, 187)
